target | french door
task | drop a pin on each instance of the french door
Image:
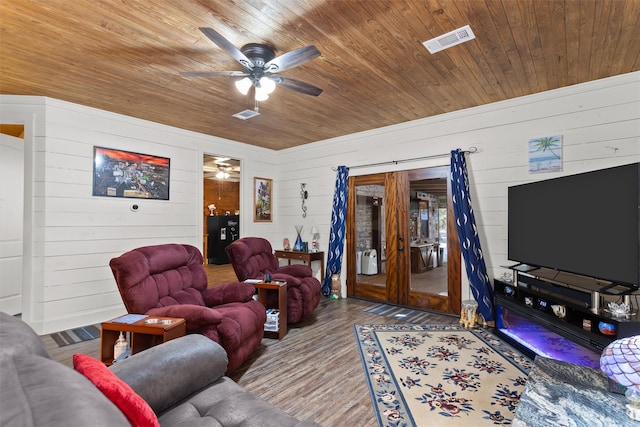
(402, 244)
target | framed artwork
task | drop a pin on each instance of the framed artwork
(118, 173)
(545, 154)
(262, 197)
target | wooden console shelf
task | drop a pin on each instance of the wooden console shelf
(308, 257)
(559, 310)
(423, 257)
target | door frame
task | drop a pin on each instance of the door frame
(397, 255)
(12, 244)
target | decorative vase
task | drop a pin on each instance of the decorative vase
(298, 245)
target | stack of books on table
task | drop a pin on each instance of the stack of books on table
(273, 315)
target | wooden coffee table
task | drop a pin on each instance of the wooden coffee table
(281, 288)
(143, 334)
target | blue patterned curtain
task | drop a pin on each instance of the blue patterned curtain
(338, 220)
(468, 234)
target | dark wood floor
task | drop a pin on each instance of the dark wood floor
(217, 274)
(314, 373)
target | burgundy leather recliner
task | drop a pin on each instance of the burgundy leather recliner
(170, 280)
(252, 258)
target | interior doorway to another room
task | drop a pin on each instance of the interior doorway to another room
(221, 206)
(11, 211)
(401, 241)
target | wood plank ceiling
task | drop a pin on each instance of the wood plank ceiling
(126, 56)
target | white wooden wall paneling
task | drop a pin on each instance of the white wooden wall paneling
(76, 234)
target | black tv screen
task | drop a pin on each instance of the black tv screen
(585, 224)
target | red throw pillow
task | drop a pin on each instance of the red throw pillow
(137, 411)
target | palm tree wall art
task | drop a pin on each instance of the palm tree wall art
(545, 154)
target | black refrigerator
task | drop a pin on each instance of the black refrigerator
(222, 230)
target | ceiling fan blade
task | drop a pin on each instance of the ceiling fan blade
(215, 73)
(230, 48)
(297, 85)
(292, 59)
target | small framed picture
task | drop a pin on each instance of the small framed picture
(545, 154)
(262, 197)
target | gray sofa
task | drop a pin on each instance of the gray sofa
(182, 381)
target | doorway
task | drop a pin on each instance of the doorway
(401, 240)
(11, 212)
(221, 206)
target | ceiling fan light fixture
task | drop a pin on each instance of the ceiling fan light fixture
(267, 85)
(244, 85)
(261, 94)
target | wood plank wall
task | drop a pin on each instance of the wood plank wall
(224, 194)
(599, 121)
(74, 235)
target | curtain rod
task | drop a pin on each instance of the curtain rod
(471, 150)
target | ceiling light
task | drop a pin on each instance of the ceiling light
(243, 85)
(267, 84)
(222, 175)
(263, 87)
(261, 94)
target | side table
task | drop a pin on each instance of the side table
(143, 334)
(308, 257)
(281, 288)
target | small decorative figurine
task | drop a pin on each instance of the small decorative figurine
(298, 245)
(286, 245)
(619, 310)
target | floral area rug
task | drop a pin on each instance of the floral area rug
(441, 375)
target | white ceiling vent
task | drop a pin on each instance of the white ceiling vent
(452, 38)
(246, 114)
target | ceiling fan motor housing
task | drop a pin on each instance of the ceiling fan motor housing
(259, 54)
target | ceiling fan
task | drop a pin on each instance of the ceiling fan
(261, 67)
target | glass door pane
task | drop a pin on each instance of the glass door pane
(367, 237)
(428, 273)
(430, 279)
(370, 235)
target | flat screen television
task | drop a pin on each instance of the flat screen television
(586, 224)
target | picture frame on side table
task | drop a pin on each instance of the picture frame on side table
(262, 199)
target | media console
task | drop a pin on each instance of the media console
(563, 321)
